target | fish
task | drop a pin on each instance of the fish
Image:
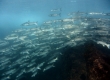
(34, 74)
(5, 78)
(30, 24)
(104, 44)
(48, 67)
(59, 9)
(30, 65)
(10, 72)
(55, 15)
(3, 43)
(107, 14)
(52, 61)
(11, 38)
(95, 13)
(40, 65)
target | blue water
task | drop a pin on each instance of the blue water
(13, 13)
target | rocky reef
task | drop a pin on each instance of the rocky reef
(88, 61)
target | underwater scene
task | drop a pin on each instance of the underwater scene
(54, 40)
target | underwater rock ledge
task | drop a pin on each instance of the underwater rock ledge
(86, 62)
(97, 62)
